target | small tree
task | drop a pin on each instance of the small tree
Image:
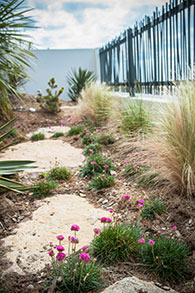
(51, 102)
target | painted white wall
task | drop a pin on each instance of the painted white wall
(57, 64)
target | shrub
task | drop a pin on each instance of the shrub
(59, 173)
(151, 208)
(174, 144)
(50, 102)
(168, 258)
(57, 134)
(87, 139)
(105, 139)
(37, 136)
(44, 188)
(96, 163)
(101, 181)
(92, 148)
(95, 104)
(135, 117)
(77, 82)
(75, 130)
(116, 243)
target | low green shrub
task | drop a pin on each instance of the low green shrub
(101, 181)
(59, 173)
(75, 130)
(92, 148)
(116, 243)
(152, 208)
(96, 164)
(44, 188)
(105, 139)
(37, 136)
(167, 257)
(87, 139)
(57, 134)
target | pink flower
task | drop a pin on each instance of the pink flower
(125, 161)
(16, 123)
(135, 164)
(60, 256)
(96, 231)
(136, 154)
(51, 244)
(108, 220)
(141, 240)
(106, 166)
(174, 227)
(152, 242)
(62, 124)
(111, 211)
(143, 235)
(60, 248)
(103, 220)
(84, 248)
(93, 162)
(74, 240)
(155, 179)
(143, 162)
(140, 205)
(75, 228)
(126, 196)
(141, 201)
(51, 253)
(91, 151)
(60, 237)
(84, 257)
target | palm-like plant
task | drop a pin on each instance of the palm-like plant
(77, 81)
(13, 48)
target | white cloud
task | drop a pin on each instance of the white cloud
(61, 29)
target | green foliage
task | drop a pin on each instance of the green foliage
(152, 208)
(105, 139)
(116, 243)
(77, 276)
(149, 179)
(77, 82)
(90, 168)
(135, 117)
(44, 187)
(59, 173)
(101, 181)
(37, 136)
(51, 102)
(57, 134)
(168, 258)
(75, 130)
(87, 139)
(92, 148)
(132, 169)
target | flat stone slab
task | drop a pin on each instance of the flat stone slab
(46, 153)
(30, 242)
(135, 285)
(49, 131)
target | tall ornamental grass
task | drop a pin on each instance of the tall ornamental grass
(175, 141)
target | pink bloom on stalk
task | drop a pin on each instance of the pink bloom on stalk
(84, 248)
(60, 237)
(51, 253)
(74, 240)
(136, 154)
(84, 257)
(60, 256)
(141, 201)
(152, 242)
(125, 161)
(111, 210)
(60, 248)
(49, 127)
(93, 162)
(103, 220)
(51, 243)
(128, 155)
(174, 227)
(70, 118)
(106, 166)
(91, 151)
(16, 123)
(143, 162)
(143, 235)
(62, 124)
(75, 228)
(108, 220)
(126, 196)
(155, 179)
(141, 240)
(135, 164)
(96, 231)
(140, 205)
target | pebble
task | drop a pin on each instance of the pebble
(30, 287)
(82, 195)
(105, 201)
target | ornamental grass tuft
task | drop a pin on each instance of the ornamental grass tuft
(101, 181)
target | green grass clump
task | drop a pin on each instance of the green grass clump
(116, 243)
(78, 276)
(168, 258)
(59, 173)
(95, 165)
(101, 181)
(152, 208)
(105, 139)
(57, 134)
(149, 179)
(44, 187)
(37, 136)
(75, 130)
(135, 117)
(92, 148)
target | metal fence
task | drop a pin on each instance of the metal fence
(156, 54)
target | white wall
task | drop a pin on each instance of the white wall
(57, 63)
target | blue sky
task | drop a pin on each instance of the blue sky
(65, 24)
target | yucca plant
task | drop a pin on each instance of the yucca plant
(77, 82)
(11, 167)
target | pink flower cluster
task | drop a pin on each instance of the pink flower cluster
(126, 196)
(84, 257)
(96, 231)
(75, 228)
(105, 220)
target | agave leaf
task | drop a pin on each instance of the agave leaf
(7, 184)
